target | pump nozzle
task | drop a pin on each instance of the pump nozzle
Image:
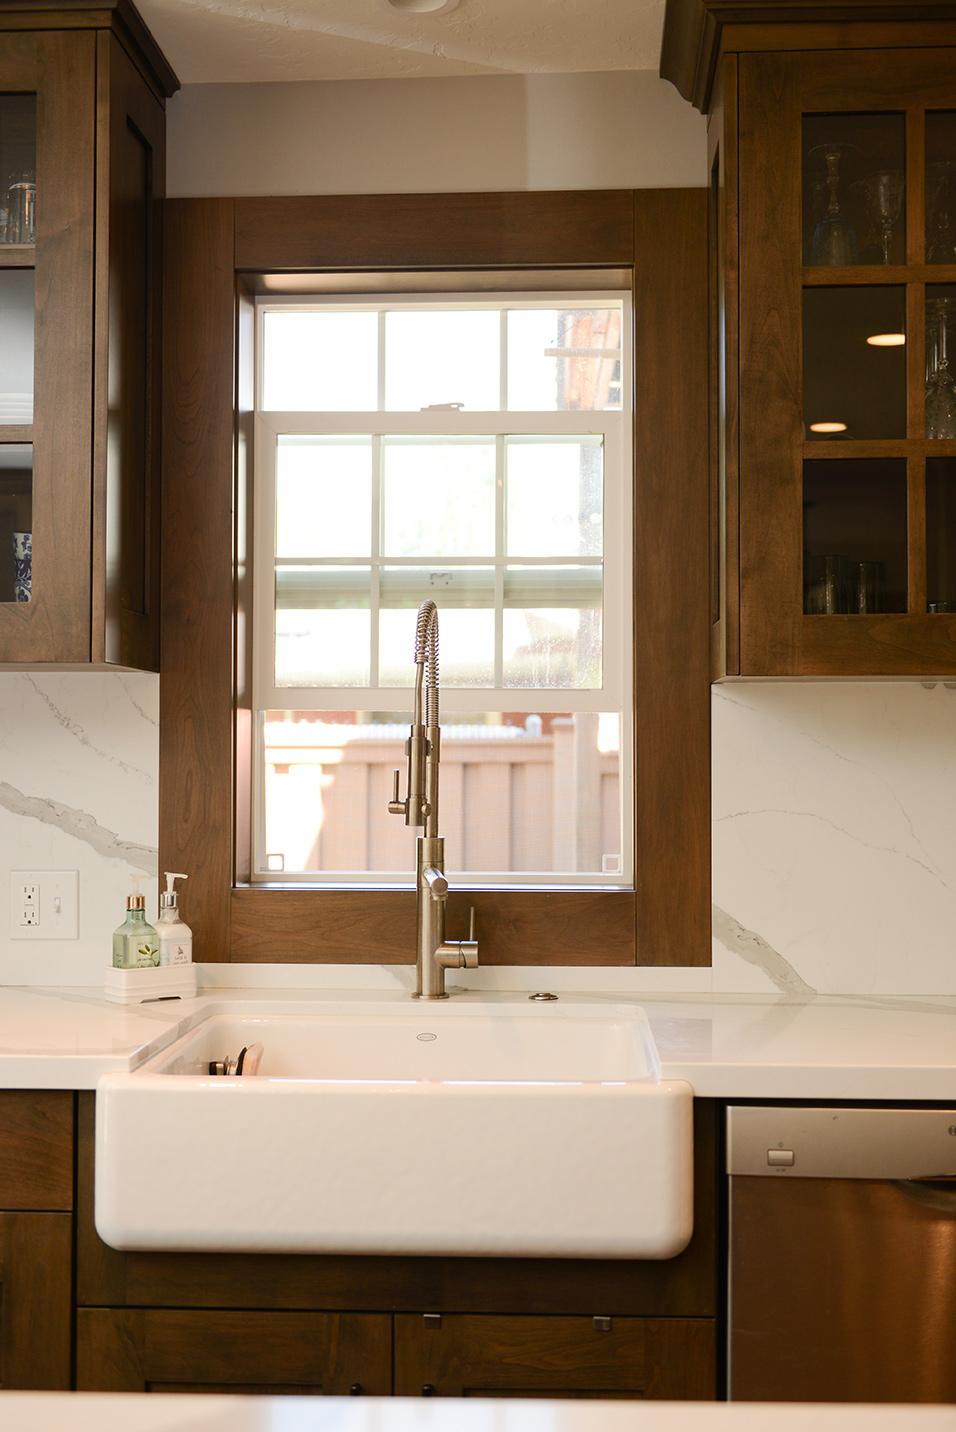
(136, 900)
(169, 899)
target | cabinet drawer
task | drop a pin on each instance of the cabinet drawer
(159, 1350)
(481, 1356)
(36, 1150)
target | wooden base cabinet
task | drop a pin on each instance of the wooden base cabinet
(35, 1301)
(36, 1247)
(497, 1327)
(602, 1357)
(185, 1350)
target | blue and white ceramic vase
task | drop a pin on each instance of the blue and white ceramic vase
(22, 566)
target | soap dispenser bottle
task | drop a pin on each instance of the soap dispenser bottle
(175, 938)
(135, 943)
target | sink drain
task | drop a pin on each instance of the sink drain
(426, 1038)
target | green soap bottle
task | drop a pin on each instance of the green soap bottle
(135, 943)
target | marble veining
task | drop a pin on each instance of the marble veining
(752, 948)
(833, 837)
(79, 757)
(81, 825)
(75, 729)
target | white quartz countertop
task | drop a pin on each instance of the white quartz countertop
(142, 1412)
(748, 1047)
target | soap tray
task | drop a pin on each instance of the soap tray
(160, 982)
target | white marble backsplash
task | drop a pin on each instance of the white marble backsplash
(79, 757)
(834, 831)
(835, 837)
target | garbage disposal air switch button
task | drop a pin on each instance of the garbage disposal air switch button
(780, 1158)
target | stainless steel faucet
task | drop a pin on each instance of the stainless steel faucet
(420, 808)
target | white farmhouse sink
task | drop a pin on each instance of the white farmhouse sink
(476, 1129)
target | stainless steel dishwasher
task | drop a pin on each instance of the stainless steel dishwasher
(842, 1279)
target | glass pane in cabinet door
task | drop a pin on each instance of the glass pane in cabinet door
(16, 345)
(941, 188)
(18, 165)
(16, 522)
(854, 189)
(854, 536)
(941, 361)
(941, 534)
(854, 362)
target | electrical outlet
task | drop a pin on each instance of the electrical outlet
(44, 904)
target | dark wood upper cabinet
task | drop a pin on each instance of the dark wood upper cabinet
(82, 177)
(833, 317)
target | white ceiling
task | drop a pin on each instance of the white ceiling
(236, 41)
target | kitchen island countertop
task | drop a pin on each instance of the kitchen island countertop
(142, 1412)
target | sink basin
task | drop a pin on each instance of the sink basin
(470, 1129)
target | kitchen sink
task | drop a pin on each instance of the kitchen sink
(496, 1129)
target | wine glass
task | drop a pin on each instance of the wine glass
(835, 241)
(941, 213)
(883, 193)
(940, 387)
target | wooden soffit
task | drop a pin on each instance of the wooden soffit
(694, 29)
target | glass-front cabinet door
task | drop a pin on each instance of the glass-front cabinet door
(848, 363)
(46, 279)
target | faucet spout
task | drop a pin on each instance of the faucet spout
(420, 808)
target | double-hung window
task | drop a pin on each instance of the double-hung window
(476, 452)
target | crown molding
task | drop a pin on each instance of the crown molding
(693, 29)
(119, 16)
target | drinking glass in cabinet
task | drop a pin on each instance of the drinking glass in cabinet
(16, 522)
(941, 188)
(854, 362)
(18, 188)
(940, 376)
(941, 535)
(854, 189)
(854, 536)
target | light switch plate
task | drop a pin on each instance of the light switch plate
(44, 904)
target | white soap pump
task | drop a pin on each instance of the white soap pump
(175, 938)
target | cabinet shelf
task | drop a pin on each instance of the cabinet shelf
(18, 256)
(880, 447)
(16, 433)
(813, 276)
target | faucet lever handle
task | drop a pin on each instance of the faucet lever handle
(396, 806)
(472, 924)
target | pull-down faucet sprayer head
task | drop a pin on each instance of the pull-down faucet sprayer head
(420, 803)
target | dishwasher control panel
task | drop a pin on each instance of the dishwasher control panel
(786, 1142)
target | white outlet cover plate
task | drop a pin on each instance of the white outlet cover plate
(56, 887)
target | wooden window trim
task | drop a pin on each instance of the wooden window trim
(216, 251)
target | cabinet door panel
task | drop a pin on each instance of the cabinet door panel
(36, 1150)
(126, 433)
(54, 624)
(35, 1301)
(482, 1356)
(846, 243)
(151, 1350)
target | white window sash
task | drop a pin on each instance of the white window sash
(615, 693)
